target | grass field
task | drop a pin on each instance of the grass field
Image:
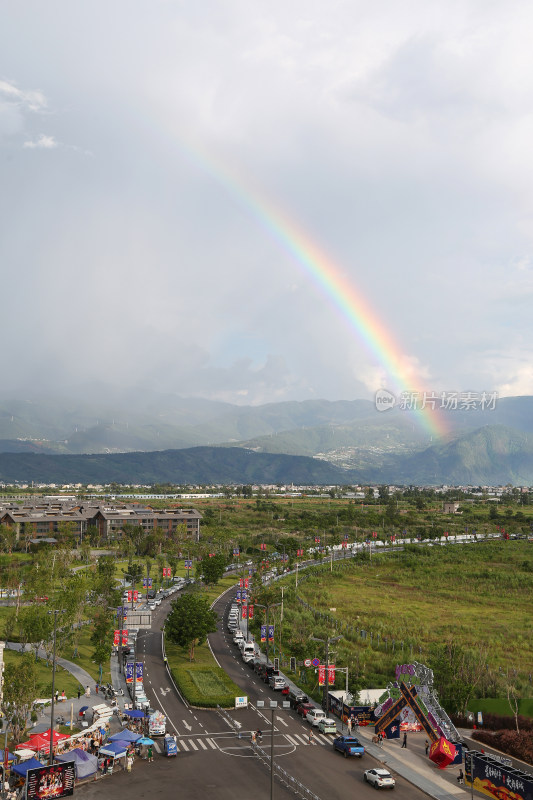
(201, 682)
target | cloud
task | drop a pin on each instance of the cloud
(29, 100)
(43, 142)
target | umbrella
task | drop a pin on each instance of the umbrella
(145, 741)
(83, 708)
(125, 736)
(134, 712)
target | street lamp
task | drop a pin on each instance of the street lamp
(55, 612)
(329, 640)
(273, 704)
(267, 608)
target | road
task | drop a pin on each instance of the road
(214, 759)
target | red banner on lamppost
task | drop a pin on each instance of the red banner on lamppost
(321, 674)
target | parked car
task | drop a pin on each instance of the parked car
(267, 671)
(276, 682)
(327, 725)
(296, 697)
(238, 636)
(314, 716)
(349, 745)
(379, 778)
(304, 708)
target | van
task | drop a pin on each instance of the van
(296, 696)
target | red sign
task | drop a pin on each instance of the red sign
(250, 612)
(240, 581)
(124, 638)
(374, 534)
(317, 539)
(129, 597)
(331, 674)
(263, 547)
(244, 612)
(344, 545)
(135, 596)
(300, 552)
(116, 636)
(321, 674)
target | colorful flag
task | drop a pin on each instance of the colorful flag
(263, 633)
(270, 633)
(321, 674)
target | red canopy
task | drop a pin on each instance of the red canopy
(36, 742)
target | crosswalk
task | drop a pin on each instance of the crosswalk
(187, 744)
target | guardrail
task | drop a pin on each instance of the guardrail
(283, 776)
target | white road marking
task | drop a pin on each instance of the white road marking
(300, 738)
(201, 743)
(291, 740)
(189, 727)
(280, 719)
(158, 749)
(182, 743)
(212, 744)
(193, 745)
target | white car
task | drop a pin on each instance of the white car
(314, 716)
(379, 778)
(238, 636)
(327, 725)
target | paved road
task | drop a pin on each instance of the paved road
(215, 755)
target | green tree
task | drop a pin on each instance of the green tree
(102, 635)
(212, 568)
(189, 622)
(20, 690)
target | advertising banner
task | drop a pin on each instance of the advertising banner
(116, 635)
(130, 595)
(331, 674)
(263, 547)
(493, 779)
(129, 672)
(244, 612)
(321, 674)
(238, 596)
(250, 612)
(135, 596)
(270, 633)
(139, 670)
(124, 638)
(50, 782)
(263, 633)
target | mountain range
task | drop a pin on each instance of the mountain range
(147, 438)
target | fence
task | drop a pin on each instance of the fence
(283, 776)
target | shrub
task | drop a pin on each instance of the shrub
(519, 745)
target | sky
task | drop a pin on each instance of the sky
(158, 161)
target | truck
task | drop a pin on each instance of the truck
(157, 724)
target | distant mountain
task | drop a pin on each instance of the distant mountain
(199, 465)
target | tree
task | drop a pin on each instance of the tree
(190, 621)
(102, 634)
(212, 568)
(20, 690)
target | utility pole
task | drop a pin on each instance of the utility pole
(55, 612)
(267, 610)
(329, 640)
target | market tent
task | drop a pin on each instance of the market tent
(21, 769)
(58, 737)
(36, 742)
(125, 735)
(85, 763)
(24, 753)
(114, 749)
(134, 712)
(10, 757)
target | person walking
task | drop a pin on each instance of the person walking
(150, 753)
(404, 743)
(88, 691)
(79, 692)
(311, 736)
(427, 746)
(349, 726)
(461, 777)
(253, 738)
(380, 739)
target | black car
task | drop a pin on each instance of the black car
(267, 671)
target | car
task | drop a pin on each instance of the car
(379, 778)
(349, 745)
(314, 716)
(238, 636)
(276, 682)
(296, 696)
(304, 708)
(327, 725)
(267, 671)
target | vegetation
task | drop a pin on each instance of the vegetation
(190, 621)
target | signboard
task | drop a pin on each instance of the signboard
(307, 662)
(238, 596)
(139, 670)
(147, 583)
(331, 674)
(493, 779)
(263, 633)
(50, 782)
(250, 612)
(241, 702)
(270, 633)
(244, 612)
(321, 674)
(315, 662)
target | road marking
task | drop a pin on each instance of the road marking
(193, 745)
(184, 745)
(189, 727)
(299, 738)
(157, 748)
(291, 740)
(212, 744)
(280, 719)
(201, 743)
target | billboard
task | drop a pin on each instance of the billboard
(493, 779)
(47, 782)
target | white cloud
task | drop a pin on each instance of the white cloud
(29, 100)
(42, 142)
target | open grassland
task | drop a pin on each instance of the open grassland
(398, 607)
(201, 681)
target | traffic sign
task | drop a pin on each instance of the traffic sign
(315, 662)
(307, 662)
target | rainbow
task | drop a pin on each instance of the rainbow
(329, 279)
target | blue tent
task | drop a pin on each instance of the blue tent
(21, 769)
(85, 763)
(10, 757)
(134, 712)
(114, 749)
(125, 736)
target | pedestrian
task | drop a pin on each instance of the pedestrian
(253, 738)
(57, 694)
(129, 763)
(311, 736)
(104, 767)
(380, 739)
(63, 696)
(79, 692)
(349, 725)
(460, 777)
(150, 753)
(259, 736)
(96, 688)
(404, 743)
(427, 746)
(88, 691)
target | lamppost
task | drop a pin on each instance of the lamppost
(273, 704)
(267, 608)
(55, 612)
(329, 640)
